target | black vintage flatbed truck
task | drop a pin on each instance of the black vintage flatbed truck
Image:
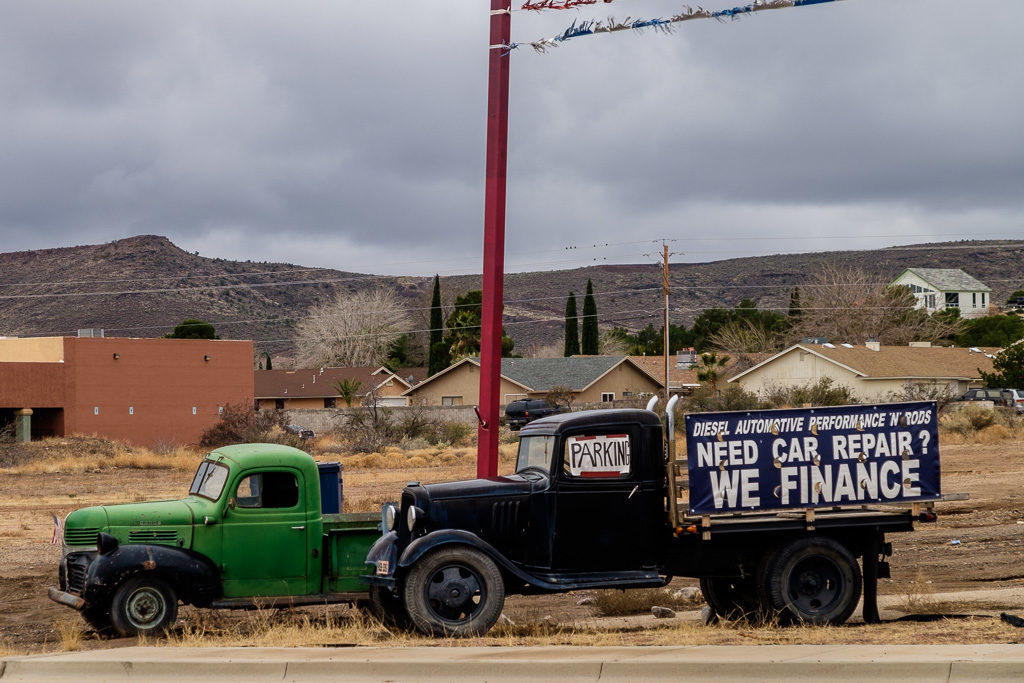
(451, 552)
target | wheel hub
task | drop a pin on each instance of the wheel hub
(144, 607)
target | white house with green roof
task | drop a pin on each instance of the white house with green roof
(937, 289)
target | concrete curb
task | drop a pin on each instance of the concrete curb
(924, 663)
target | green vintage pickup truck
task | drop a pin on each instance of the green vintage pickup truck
(260, 526)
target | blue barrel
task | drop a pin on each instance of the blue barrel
(331, 492)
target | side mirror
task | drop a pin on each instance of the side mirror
(231, 503)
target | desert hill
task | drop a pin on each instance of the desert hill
(142, 286)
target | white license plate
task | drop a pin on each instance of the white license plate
(382, 567)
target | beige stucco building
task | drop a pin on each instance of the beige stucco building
(872, 372)
(593, 379)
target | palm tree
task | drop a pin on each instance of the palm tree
(707, 369)
(347, 389)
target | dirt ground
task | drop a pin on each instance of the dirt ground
(977, 545)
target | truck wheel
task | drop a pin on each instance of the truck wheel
(99, 618)
(143, 606)
(731, 598)
(389, 609)
(454, 592)
(815, 580)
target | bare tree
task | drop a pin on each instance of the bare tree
(353, 330)
(846, 304)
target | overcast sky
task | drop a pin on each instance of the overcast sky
(350, 133)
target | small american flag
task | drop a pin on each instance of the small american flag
(56, 530)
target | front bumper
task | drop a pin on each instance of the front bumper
(57, 595)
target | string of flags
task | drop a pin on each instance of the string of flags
(663, 24)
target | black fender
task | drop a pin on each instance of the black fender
(447, 537)
(195, 579)
(384, 550)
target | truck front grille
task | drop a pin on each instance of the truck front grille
(153, 536)
(81, 536)
(78, 565)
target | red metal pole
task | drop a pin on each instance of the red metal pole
(494, 238)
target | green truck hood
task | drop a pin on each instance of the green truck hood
(166, 522)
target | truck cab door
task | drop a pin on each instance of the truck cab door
(265, 535)
(605, 513)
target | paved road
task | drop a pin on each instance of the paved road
(925, 663)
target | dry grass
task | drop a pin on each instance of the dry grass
(334, 627)
(69, 633)
(917, 598)
(614, 602)
(89, 454)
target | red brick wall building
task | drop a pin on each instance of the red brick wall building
(144, 391)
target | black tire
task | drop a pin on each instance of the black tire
(144, 605)
(814, 580)
(389, 609)
(99, 619)
(454, 592)
(732, 598)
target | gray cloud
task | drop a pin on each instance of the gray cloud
(351, 135)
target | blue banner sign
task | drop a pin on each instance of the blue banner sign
(812, 457)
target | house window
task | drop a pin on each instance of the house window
(931, 301)
(952, 300)
(974, 299)
(330, 402)
(278, 404)
(451, 400)
(607, 396)
(983, 300)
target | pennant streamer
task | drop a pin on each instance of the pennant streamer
(665, 24)
(558, 4)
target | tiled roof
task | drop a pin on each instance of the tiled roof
(314, 382)
(950, 280)
(655, 367)
(904, 361)
(541, 374)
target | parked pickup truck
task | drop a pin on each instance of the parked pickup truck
(780, 506)
(260, 526)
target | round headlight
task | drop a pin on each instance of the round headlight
(390, 518)
(410, 518)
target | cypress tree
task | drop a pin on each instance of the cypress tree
(572, 327)
(270, 365)
(435, 354)
(794, 306)
(590, 338)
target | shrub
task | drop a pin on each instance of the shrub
(820, 393)
(241, 424)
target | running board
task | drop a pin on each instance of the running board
(267, 602)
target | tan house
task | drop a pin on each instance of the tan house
(872, 372)
(594, 379)
(317, 387)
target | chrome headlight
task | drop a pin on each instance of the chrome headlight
(410, 518)
(390, 518)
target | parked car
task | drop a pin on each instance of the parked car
(519, 413)
(1014, 398)
(997, 396)
(300, 432)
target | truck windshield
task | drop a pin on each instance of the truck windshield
(209, 480)
(535, 452)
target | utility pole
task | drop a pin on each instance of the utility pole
(664, 286)
(494, 238)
